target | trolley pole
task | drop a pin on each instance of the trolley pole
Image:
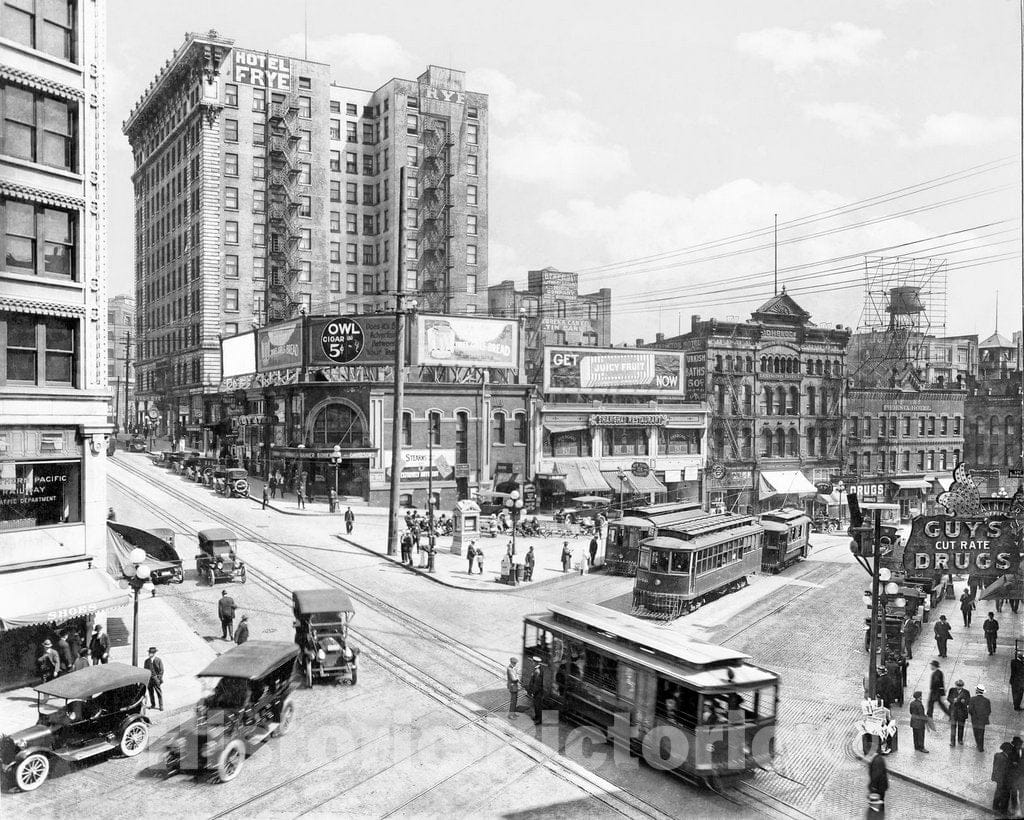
(873, 637)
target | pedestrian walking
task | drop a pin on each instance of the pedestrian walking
(991, 628)
(1015, 774)
(226, 612)
(75, 643)
(528, 564)
(67, 659)
(99, 646)
(480, 559)
(300, 498)
(266, 496)
(936, 689)
(1017, 679)
(943, 634)
(878, 777)
(967, 607)
(535, 688)
(48, 662)
(959, 700)
(1003, 777)
(593, 552)
(512, 680)
(470, 556)
(242, 633)
(918, 721)
(82, 662)
(350, 520)
(999, 604)
(155, 666)
(911, 629)
(980, 710)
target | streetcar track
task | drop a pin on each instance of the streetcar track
(565, 770)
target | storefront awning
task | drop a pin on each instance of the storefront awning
(582, 477)
(54, 598)
(557, 425)
(911, 483)
(637, 485)
(784, 482)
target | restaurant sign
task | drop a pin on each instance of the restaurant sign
(965, 545)
(628, 420)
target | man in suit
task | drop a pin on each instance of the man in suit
(959, 700)
(67, 659)
(512, 683)
(980, 710)
(350, 520)
(535, 688)
(943, 634)
(226, 612)
(99, 646)
(1017, 679)
(991, 628)
(878, 777)
(936, 690)
(242, 633)
(155, 666)
(918, 721)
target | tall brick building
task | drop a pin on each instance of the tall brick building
(263, 190)
(120, 369)
(993, 417)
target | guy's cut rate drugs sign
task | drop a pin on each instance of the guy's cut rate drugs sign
(979, 546)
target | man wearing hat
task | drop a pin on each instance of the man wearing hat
(918, 721)
(49, 662)
(155, 666)
(535, 688)
(959, 700)
(936, 689)
(99, 646)
(242, 633)
(1017, 679)
(980, 710)
(512, 683)
(226, 612)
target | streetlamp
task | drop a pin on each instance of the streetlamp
(515, 508)
(336, 461)
(622, 484)
(138, 580)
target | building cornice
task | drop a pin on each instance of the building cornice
(28, 80)
(30, 194)
(9, 303)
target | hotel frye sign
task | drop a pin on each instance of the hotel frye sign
(261, 70)
(982, 546)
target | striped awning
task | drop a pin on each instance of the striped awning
(13, 305)
(634, 484)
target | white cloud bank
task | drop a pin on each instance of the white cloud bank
(791, 51)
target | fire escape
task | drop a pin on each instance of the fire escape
(435, 174)
(283, 234)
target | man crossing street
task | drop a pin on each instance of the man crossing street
(350, 520)
(991, 629)
(226, 612)
(155, 666)
(936, 690)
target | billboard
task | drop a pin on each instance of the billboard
(416, 465)
(696, 373)
(261, 69)
(978, 546)
(238, 355)
(279, 346)
(354, 340)
(462, 341)
(590, 370)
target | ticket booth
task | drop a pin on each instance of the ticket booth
(466, 517)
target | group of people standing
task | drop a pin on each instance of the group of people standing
(226, 609)
(71, 653)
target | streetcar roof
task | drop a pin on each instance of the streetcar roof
(790, 514)
(623, 630)
(774, 526)
(661, 509)
(708, 539)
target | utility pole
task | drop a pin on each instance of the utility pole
(127, 360)
(873, 636)
(399, 385)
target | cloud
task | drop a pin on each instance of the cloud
(376, 55)
(508, 100)
(856, 120)
(790, 51)
(958, 128)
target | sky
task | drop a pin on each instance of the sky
(651, 145)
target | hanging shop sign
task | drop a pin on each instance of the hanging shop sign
(628, 420)
(261, 69)
(972, 545)
(417, 465)
(363, 340)
(586, 370)
(640, 469)
(279, 346)
(460, 341)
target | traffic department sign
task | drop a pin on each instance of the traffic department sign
(342, 340)
(982, 546)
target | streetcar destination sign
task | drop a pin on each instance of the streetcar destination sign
(976, 545)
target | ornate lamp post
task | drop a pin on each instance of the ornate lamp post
(622, 484)
(514, 504)
(336, 461)
(138, 580)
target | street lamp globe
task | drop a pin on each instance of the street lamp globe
(137, 556)
(142, 572)
(900, 602)
(892, 588)
(884, 575)
(514, 495)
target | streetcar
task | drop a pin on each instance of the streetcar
(787, 534)
(691, 562)
(622, 543)
(702, 710)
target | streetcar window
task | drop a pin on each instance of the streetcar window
(645, 558)
(764, 702)
(660, 560)
(680, 562)
(676, 703)
(535, 639)
(601, 670)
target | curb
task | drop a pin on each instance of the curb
(924, 784)
(500, 588)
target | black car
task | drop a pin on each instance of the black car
(322, 617)
(81, 715)
(218, 557)
(137, 445)
(165, 566)
(250, 703)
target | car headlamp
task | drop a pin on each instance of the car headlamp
(220, 565)
(321, 654)
(20, 742)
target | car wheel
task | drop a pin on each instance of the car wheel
(134, 739)
(230, 761)
(355, 676)
(32, 772)
(210, 579)
(287, 715)
(309, 675)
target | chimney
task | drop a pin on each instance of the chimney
(659, 337)
(639, 342)
(694, 321)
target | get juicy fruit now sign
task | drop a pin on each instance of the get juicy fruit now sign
(981, 546)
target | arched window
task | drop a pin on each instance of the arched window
(817, 366)
(854, 426)
(407, 429)
(810, 441)
(794, 443)
(748, 399)
(337, 424)
(812, 403)
(810, 367)
(718, 364)
(498, 435)
(794, 401)
(750, 364)
(434, 423)
(746, 442)
(766, 446)
(780, 400)
(768, 408)
(776, 365)
(521, 429)
(764, 364)
(780, 442)
(728, 363)
(461, 435)
(1008, 443)
(828, 367)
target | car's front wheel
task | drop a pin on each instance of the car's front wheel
(210, 578)
(134, 739)
(32, 772)
(230, 761)
(287, 715)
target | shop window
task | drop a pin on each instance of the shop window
(38, 240)
(44, 493)
(679, 442)
(570, 444)
(39, 350)
(338, 424)
(620, 441)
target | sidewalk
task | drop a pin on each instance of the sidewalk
(963, 771)
(184, 654)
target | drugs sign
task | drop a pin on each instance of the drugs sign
(981, 546)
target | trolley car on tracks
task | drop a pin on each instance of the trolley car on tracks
(622, 543)
(787, 533)
(702, 710)
(694, 561)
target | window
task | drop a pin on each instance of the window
(929, 463)
(305, 83)
(45, 25)
(352, 192)
(231, 199)
(470, 283)
(338, 424)
(956, 426)
(498, 429)
(335, 190)
(368, 257)
(472, 112)
(335, 222)
(368, 225)
(259, 236)
(472, 133)
(258, 304)
(351, 134)
(434, 428)
(943, 428)
(470, 254)
(471, 195)
(368, 164)
(411, 187)
(231, 165)
(39, 128)
(574, 444)
(559, 337)
(335, 251)
(368, 198)
(351, 223)
(412, 124)
(305, 107)
(259, 270)
(305, 173)
(351, 283)
(471, 164)
(306, 141)
(412, 102)
(369, 283)
(920, 425)
(335, 128)
(231, 299)
(412, 280)
(471, 223)
(259, 134)
(231, 130)
(38, 240)
(352, 255)
(43, 493)
(412, 156)
(521, 428)
(259, 167)
(306, 271)
(368, 133)
(334, 278)
(412, 218)
(305, 206)
(231, 265)
(350, 109)
(621, 441)
(231, 232)
(305, 239)
(931, 425)
(40, 350)
(259, 99)
(407, 429)
(231, 328)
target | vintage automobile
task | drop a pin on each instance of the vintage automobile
(235, 483)
(171, 460)
(322, 617)
(250, 702)
(218, 557)
(137, 444)
(165, 565)
(81, 715)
